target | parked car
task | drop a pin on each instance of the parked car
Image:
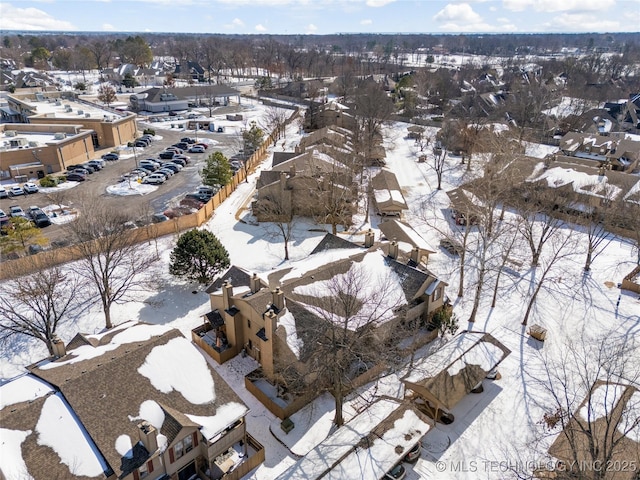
(82, 171)
(181, 145)
(201, 197)
(191, 203)
(203, 145)
(166, 155)
(3, 215)
(155, 179)
(5, 223)
(147, 168)
(30, 188)
(173, 166)
(140, 144)
(99, 164)
(396, 473)
(149, 165)
(182, 156)
(188, 140)
(139, 172)
(155, 161)
(174, 150)
(16, 211)
(196, 149)
(167, 172)
(413, 454)
(76, 177)
(451, 246)
(39, 218)
(180, 161)
(16, 191)
(208, 190)
(110, 157)
(3, 193)
(159, 217)
(92, 168)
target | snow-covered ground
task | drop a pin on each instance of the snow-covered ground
(499, 425)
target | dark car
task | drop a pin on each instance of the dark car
(89, 167)
(159, 217)
(188, 140)
(39, 218)
(180, 161)
(181, 145)
(140, 144)
(166, 155)
(451, 246)
(414, 454)
(110, 157)
(396, 473)
(201, 197)
(76, 177)
(82, 171)
(172, 166)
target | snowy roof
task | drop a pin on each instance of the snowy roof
(139, 372)
(387, 192)
(365, 448)
(609, 413)
(401, 232)
(33, 416)
(582, 182)
(453, 371)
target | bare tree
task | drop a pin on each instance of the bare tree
(36, 305)
(111, 258)
(275, 120)
(373, 108)
(590, 407)
(348, 337)
(275, 209)
(562, 246)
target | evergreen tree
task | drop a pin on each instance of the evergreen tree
(198, 256)
(253, 138)
(217, 171)
(19, 234)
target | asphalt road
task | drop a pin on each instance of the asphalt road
(137, 207)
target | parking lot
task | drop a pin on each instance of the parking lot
(138, 207)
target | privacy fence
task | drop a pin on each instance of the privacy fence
(58, 256)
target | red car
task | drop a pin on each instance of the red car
(203, 145)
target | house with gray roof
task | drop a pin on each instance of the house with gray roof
(161, 99)
(136, 401)
(273, 318)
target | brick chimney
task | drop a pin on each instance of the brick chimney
(415, 255)
(278, 298)
(369, 238)
(148, 436)
(227, 293)
(393, 250)
(270, 323)
(59, 349)
(254, 283)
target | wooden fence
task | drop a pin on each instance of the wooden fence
(58, 256)
(631, 282)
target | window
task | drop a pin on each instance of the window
(248, 323)
(188, 443)
(437, 294)
(178, 449)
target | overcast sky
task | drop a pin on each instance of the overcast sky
(322, 16)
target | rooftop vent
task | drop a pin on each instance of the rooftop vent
(10, 133)
(60, 136)
(87, 115)
(80, 112)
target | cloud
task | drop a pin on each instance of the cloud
(559, 5)
(366, 21)
(14, 18)
(235, 23)
(582, 22)
(311, 28)
(260, 28)
(378, 3)
(458, 13)
(107, 27)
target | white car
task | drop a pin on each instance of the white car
(16, 191)
(30, 188)
(155, 179)
(3, 193)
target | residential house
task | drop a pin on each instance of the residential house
(311, 184)
(274, 319)
(408, 239)
(138, 401)
(159, 99)
(387, 194)
(603, 430)
(193, 71)
(615, 151)
(444, 378)
(366, 448)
